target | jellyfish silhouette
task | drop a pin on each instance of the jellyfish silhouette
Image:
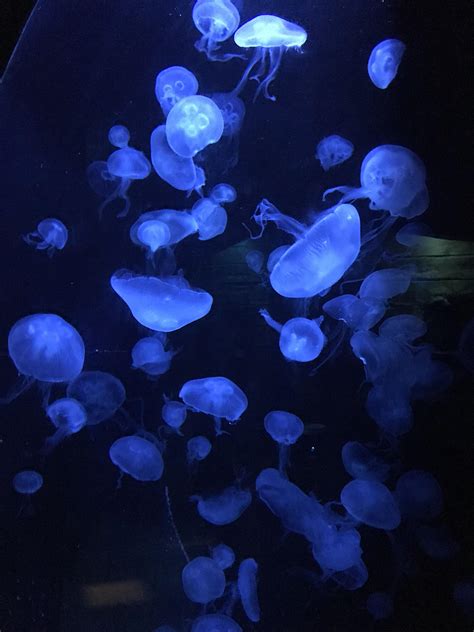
(223, 555)
(247, 585)
(159, 229)
(51, 235)
(194, 123)
(150, 355)
(284, 428)
(197, 449)
(203, 580)
(217, 20)
(254, 259)
(337, 549)
(211, 218)
(232, 108)
(357, 313)
(101, 394)
(27, 482)
(173, 84)
(177, 171)
(215, 623)
(371, 503)
(223, 193)
(333, 150)
(174, 414)
(361, 462)
(137, 457)
(68, 416)
(384, 61)
(301, 339)
(224, 507)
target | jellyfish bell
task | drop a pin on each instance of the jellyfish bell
(129, 164)
(384, 61)
(68, 416)
(215, 623)
(337, 550)
(194, 123)
(153, 234)
(165, 227)
(223, 555)
(101, 394)
(51, 235)
(150, 356)
(275, 256)
(203, 580)
(217, 20)
(225, 506)
(333, 150)
(211, 218)
(197, 449)
(178, 171)
(173, 84)
(137, 457)
(174, 414)
(283, 427)
(301, 339)
(119, 136)
(223, 193)
(360, 462)
(247, 586)
(357, 313)
(371, 503)
(27, 482)
(384, 284)
(254, 260)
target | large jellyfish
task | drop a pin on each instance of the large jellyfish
(357, 313)
(217, 20)
(215, 623)
(165, 304)
(382, 285)
(361, 462)
(193, 124)
(270, 36)
(284, 428)
(173, 84)
(51, 235)
(321, 254)
(137, 457)
(27, 482)
(233, 112)
(333, 150)
(384, 61)
(210, 217)
(203, 580)
(101, 394)
(225, 506)
(247, 585)
(177, 171)
(68, 416)
(301, 339)
(151, 356)
(371, 503)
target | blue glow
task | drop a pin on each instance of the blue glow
(247, 585)
(203, 580)
(50, 235)
(255, 259)
(216, 396)
(193, 124)
(223, 193)
(216, 20)
(384, 61)
(384, 284)
(137, 457)
(215, 623)
(371, 503)
(211, 219)
(101, 394)
(174, 414)
(283, 427)
(224, 507)
(403, 328)
(166, 227)
(355, 312)
(119, 136)
(173, 84)
(333, 150)
(150, 356)
(177, 171)
(361, 462)
(68, 416)
(197, 449)
(301, 339)
(27, 482)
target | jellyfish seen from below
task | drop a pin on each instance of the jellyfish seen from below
(270, 36)
(384, 61)
(137, 457)
(101, 394)
(254, 260)
(321, 254)
(178, 172)
(27, 482)
(284, 428)
(211, 218)
(203, 580)
(151, 356)
(161, 304)
(301, 339)
(224, 507)
(215, 623)
(223, 193)
(247, 585)
(197, 449)
(361, 462)
(217, 20)
(159, 229)
(223, 555)
(275, 256)
(404, 328)
(51, 235)
(68, 416)
(419, 496)
(357, 313)
(371, 503)
(174, 414)
(173, 84)
(193, 124)
(333, 150)
(380, 605)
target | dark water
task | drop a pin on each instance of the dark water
(84, 66)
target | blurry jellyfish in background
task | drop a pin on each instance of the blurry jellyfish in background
(403, 328)
(27, 482)
(197, 449)
(164, 628)
(301, 339)
(223, 555)
(419, 496)
(194, 123)
(216, 396)
(271, 36)
(161, 304)
(69, 416)
(159, 229)
(388, 404)
(371, 503)
(380, 605)
(284, 428)
(321, 254)
(409, 235)
(101, 394)
(254, 260)
(384, 61)
(333, 150)
(233, 112)
(223, 193)
(223, 507)
(353, 577)
(211, 218)
(103, 183)
(247, 585)
(137, 457)
(151, 356)
(357, 313)
(51, 235)
(177, 171)
(174, 414)
(217, 20)
(203, 580)
(337, 550)
(215, 623)
(382, 285)
(360, 462)
(173, 84)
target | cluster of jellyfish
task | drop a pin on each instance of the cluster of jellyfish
(316, 262)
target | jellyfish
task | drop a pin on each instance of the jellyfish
(357, 313)
(284, 428)
(211, 218)
(254, 260)
(404, 328)
(203, 580)
(173, 84)
(301, 339)
(103, 183)
(419, 496)
(321, 254)
(333, 150)
(380, 605)
(137, 457)
(352, 578)
(275, 256)
(409, 235)
(247, 585)
(223, 193)
(174, 414)
(119, 136)
(384, 61)
(101, 394)
(382, 285)
(223, 507)
(383, 358)
(27, 482)
(197, 449)
(217, 20)
(223, 555)
(161, 304)
(233, 113)
(337, 550)
(193, 124)
(361, 462)
(68, 416)
(177, 171)
(371, 503)
(158, 229)
(388, 404)
(271, 36)
(215, 623)
(51, 235)
(216, 396)
(151, 356)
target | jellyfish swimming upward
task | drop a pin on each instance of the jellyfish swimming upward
(216, 20)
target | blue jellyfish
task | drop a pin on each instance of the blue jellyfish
(151, 356)
(333, 150)
(199, 183)
(275, 256)
(383, 358)
(68, 416)
(217, 20)
(301, 339)
(337, 550)
(388, 404)
(50, 235)
(165, 304)
(404, 328)
(197, 449)
(419, 496)
(203, 580)
(223, 193)
(223, 555)
(119, 136)
(357, 313)
(254, 260)
(101, 394)
(410, 234)
(211, 218)
(270, 36)
(380, 605)
(174, 414)
(247, 585)
(27, 482)
(233, 113)
(177, 171)
(384, 61)
(137, 457)
(193, 124)
(223, 507)
(321, 254)
(371, 503)
(382, 285)
(284, 428)
(172, 85)
(158, 229)
(352, 578)
(215, 623)
(103, 183)
(361, 462)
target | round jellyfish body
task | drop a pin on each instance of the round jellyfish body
(177, 171)
(301, 340)
(333, 150)
(194, 123)
(99, 392)
(419, 495)
(233, 112)
(137, 457)
(101, 181)
(51, 235)
(173, 84)
(360, 462)
(174, 414)
(384, 61)
(223, 555)
(216, 396)
(164, 304)
(404, 328)
(119, 136)
(254, 260)
(337, 550)
(371, 503)
(203, 580)
(211, 218)
(69, 416)
(357, 313)
(217, 20)
(247, 585)
(382, 285)
(126, 162)
(197, 449)
(46, 348)
(150, 356)
(215, 623)
(165, 227)
(380, 605)
(223, 193)
(27, 482)
(283, 427)
(152, 234)
(224, 507)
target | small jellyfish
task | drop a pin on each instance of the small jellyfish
(419, 496)
(380, 605)
(215, 623)
(357, 313)
(271, 36)
(382, 285)
(27, 482)
(411, 234)
(152, 234)
(371, 503)
(404, 328)
(174, 414)
(173, 84)
(360, 462)
(388, 404)
(223, 555)
(254, 260)
(224, 507)
(247, 585)
(197, 449)
(151, 356)
(352, 578)
(333, 150)
(203, 580)
(193, 124)
(158, 229)
(211, 218)
(119, 136)
(337, 550)
(223, 193)
(68, 416)
(137, 457)
(384, 61)
(301, 339)
(177, 171)
(101, 394)
(284, 428)
(50, 235)
(233, 113)
(217, 20)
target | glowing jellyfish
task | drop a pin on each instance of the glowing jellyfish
(382, 358)
(197, 449)
(172, 85)
(355, 312)
(27, 482)
(166, 227)
(119, 136)
(388, 404)
(233, 113)
(224, 507)
(384, 284)
(217, 20)
(337, 550)
(223, 555)
(50, 235)
(215, 623)
(419, 495)
(223, 193)
(410, 234)
(284, 428)
(254, 260)
(321, 254)
(301, 339)
(211, 218)
(68, 416)
(150, 356)
(360, 462)
(103, 183)
(101, 394)
(177, 171)
(371, 503)
(271, 36)
(174, 414)
(203, 580)
(352, 578)
(333, 150)
(247, 585)
(384, 61)
(380, 605)
(165, 304)
(403, 328)
(193, 124)
(137, 457)
(275, 256)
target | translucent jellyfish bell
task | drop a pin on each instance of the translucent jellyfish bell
(270, 36)
(203, 580)
(301, 339)
(360, 462)
(152, 234)
(284, 428)
(223, 193)
(119, 136)
(254, 259)
(333, 150)
(177, 171)
(357, 313)
(69, 416)
(27, 482)
(247, 585)
(337, 550)
(217, 20)
(173, 84)
(50, 235)
(211, 218)
(384, 284)
(137, 457)
(166, 227)
(193, 124)
(101, 394)
(215, 623)
(224, 507)
(223, 555)
(174, 414)
(150, 356)
(371, 503)
(197, 449)
(384, 61)
(403, 328)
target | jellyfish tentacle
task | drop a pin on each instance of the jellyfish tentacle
(254, 60)
(276, 55)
